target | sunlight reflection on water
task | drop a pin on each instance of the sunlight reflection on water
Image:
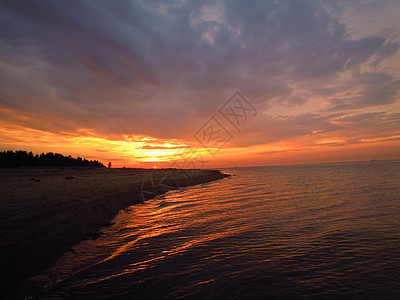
(319, 230)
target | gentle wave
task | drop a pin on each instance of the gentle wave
(301, 231)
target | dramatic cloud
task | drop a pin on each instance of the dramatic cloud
(161, 69)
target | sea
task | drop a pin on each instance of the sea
(302, 231)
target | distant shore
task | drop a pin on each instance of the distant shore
(44, 212)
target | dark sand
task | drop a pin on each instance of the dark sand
(44, 212)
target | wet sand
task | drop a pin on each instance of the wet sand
(44, 212)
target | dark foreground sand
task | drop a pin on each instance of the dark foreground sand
(44, 212)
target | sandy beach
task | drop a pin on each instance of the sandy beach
(44, 212)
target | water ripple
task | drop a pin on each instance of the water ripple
(302, 231)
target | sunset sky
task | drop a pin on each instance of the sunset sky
(138, 83)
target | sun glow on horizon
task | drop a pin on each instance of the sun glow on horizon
(128, 150)
(150, 152)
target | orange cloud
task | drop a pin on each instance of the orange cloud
(145, 151)
(132, 151)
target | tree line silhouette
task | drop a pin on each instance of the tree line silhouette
(11, 159)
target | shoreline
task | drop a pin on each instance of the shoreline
(45, 212)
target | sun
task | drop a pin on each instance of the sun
(155, 167)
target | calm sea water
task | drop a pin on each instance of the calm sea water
(292, 231)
